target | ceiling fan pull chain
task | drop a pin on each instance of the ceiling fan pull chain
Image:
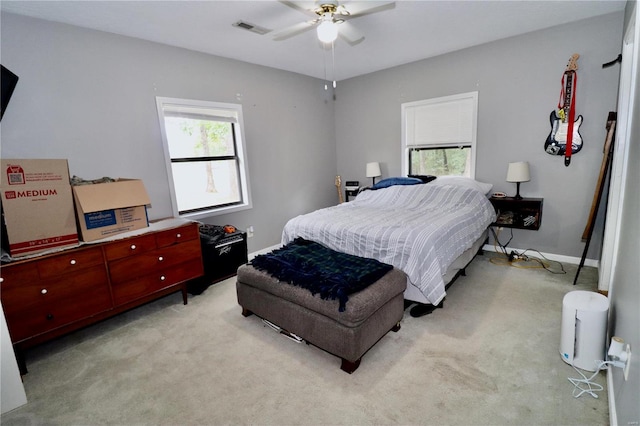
(333, 59)
(324, 56)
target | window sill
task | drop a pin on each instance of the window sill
(216, 212)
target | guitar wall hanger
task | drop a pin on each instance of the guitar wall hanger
(615, 61)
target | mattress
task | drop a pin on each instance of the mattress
(419, 229)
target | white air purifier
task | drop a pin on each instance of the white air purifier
(584, 329)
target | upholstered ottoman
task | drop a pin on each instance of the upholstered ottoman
(369, 314)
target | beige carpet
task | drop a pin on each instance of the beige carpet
(490, 357)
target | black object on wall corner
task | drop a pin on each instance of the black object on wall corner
(8, 81)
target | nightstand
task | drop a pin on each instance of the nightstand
(524, 213)
(350, 193)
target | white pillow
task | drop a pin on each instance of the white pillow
(462, 181)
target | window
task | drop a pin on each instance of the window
(440, 161)
(439, 136)
(205, 155)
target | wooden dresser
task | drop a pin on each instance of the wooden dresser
(50, 295)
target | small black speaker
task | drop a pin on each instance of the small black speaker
(221, 258)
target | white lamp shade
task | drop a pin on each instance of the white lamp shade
(373, 170)
(518, 172)
(327, 31)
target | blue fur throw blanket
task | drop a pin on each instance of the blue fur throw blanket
(319, 269)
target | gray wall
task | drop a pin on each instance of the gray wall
(518, 80)
(89, 96)
(625, 286)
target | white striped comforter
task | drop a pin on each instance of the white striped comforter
(419, 229)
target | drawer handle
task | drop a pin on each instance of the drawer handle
(133, 246)
(44, 291)
(162, 278)
(178, 235)
(73, 262)
(160, 258)
(49, 317)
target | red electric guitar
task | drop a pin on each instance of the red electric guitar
(565, 128)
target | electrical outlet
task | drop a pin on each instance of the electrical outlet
(628, 363)
(250, 231)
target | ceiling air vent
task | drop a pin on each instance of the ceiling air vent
(250, 27)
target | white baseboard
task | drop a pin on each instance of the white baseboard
(613, 415)
(557, 257)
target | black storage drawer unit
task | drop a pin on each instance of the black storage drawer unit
(221, 259)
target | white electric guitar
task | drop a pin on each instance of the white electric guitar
(556, 143)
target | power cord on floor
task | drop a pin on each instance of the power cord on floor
(496, 241)
(544, 265)
(590, 386)
(516, 260)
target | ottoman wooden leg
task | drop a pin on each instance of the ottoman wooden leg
(246, 312)
(350, 366)
(396, 327)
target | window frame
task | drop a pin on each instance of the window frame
(465, 137)
(230, 113)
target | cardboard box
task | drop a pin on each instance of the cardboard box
(37, 205)
(106, 209)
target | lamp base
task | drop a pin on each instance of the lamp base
(518, 196)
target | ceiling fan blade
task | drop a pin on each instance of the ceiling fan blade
(305, 7)
(362, 8)
(350, 33)
(294, 30)
(341, 10)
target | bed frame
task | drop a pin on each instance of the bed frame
(413, 294)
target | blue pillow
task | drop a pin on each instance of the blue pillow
(385, 183)
(424, 178)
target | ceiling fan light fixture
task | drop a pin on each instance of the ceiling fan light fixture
(327, 30)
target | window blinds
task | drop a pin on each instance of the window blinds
(446, 121)
(195, 113)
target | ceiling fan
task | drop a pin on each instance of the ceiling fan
(331, 19)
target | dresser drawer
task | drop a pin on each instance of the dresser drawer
(177, 235)
(51, 314)
(69, 262)
(150, 262)
(16, 274)
(31, 294)
(130, 247)
(139, 287)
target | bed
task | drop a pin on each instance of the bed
(429, 230)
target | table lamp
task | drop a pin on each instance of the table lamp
(518, 172)
(373, 171)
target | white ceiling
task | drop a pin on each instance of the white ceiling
(411, 31)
